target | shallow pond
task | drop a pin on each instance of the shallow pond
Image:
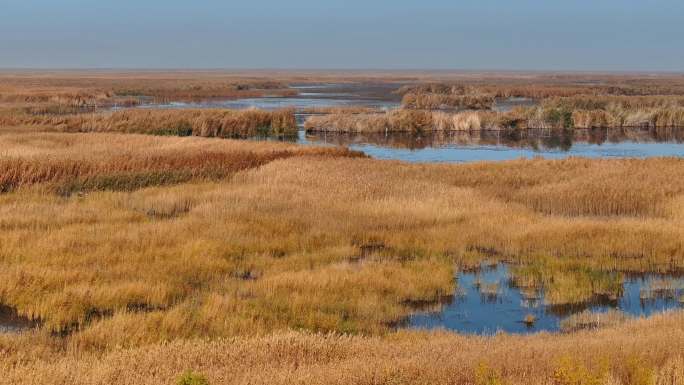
(476, 310)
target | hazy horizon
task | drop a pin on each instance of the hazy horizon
(528, 35)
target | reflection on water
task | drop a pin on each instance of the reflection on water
(505, 145)
(487, 302)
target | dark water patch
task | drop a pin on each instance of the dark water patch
(487, 300)
(11, 322)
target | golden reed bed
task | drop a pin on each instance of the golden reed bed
(297, 237)
(141, 257)
(638, 352)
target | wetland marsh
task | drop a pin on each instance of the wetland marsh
(140, 242)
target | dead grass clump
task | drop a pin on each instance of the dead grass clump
(593, 320)
(413, 121)
(530, 319)
(424, 101)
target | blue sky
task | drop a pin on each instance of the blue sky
(619, 35)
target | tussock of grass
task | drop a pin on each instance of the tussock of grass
(593, 320)
(423, 101)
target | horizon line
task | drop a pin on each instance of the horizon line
(342, 69)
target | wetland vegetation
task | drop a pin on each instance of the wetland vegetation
(133, 251)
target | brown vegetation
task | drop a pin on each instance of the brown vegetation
(543, 86)
(105, 88)
(423, 101)
(637, 352)
(517, 119)
(593, 320)
(185, 122)
(72, 162)
(139, 258)
(414, 121)
(328, 244)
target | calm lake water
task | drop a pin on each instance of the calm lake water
(498, 146)
(473, 312)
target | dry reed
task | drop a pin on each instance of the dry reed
(185, 122)
(636, 352)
